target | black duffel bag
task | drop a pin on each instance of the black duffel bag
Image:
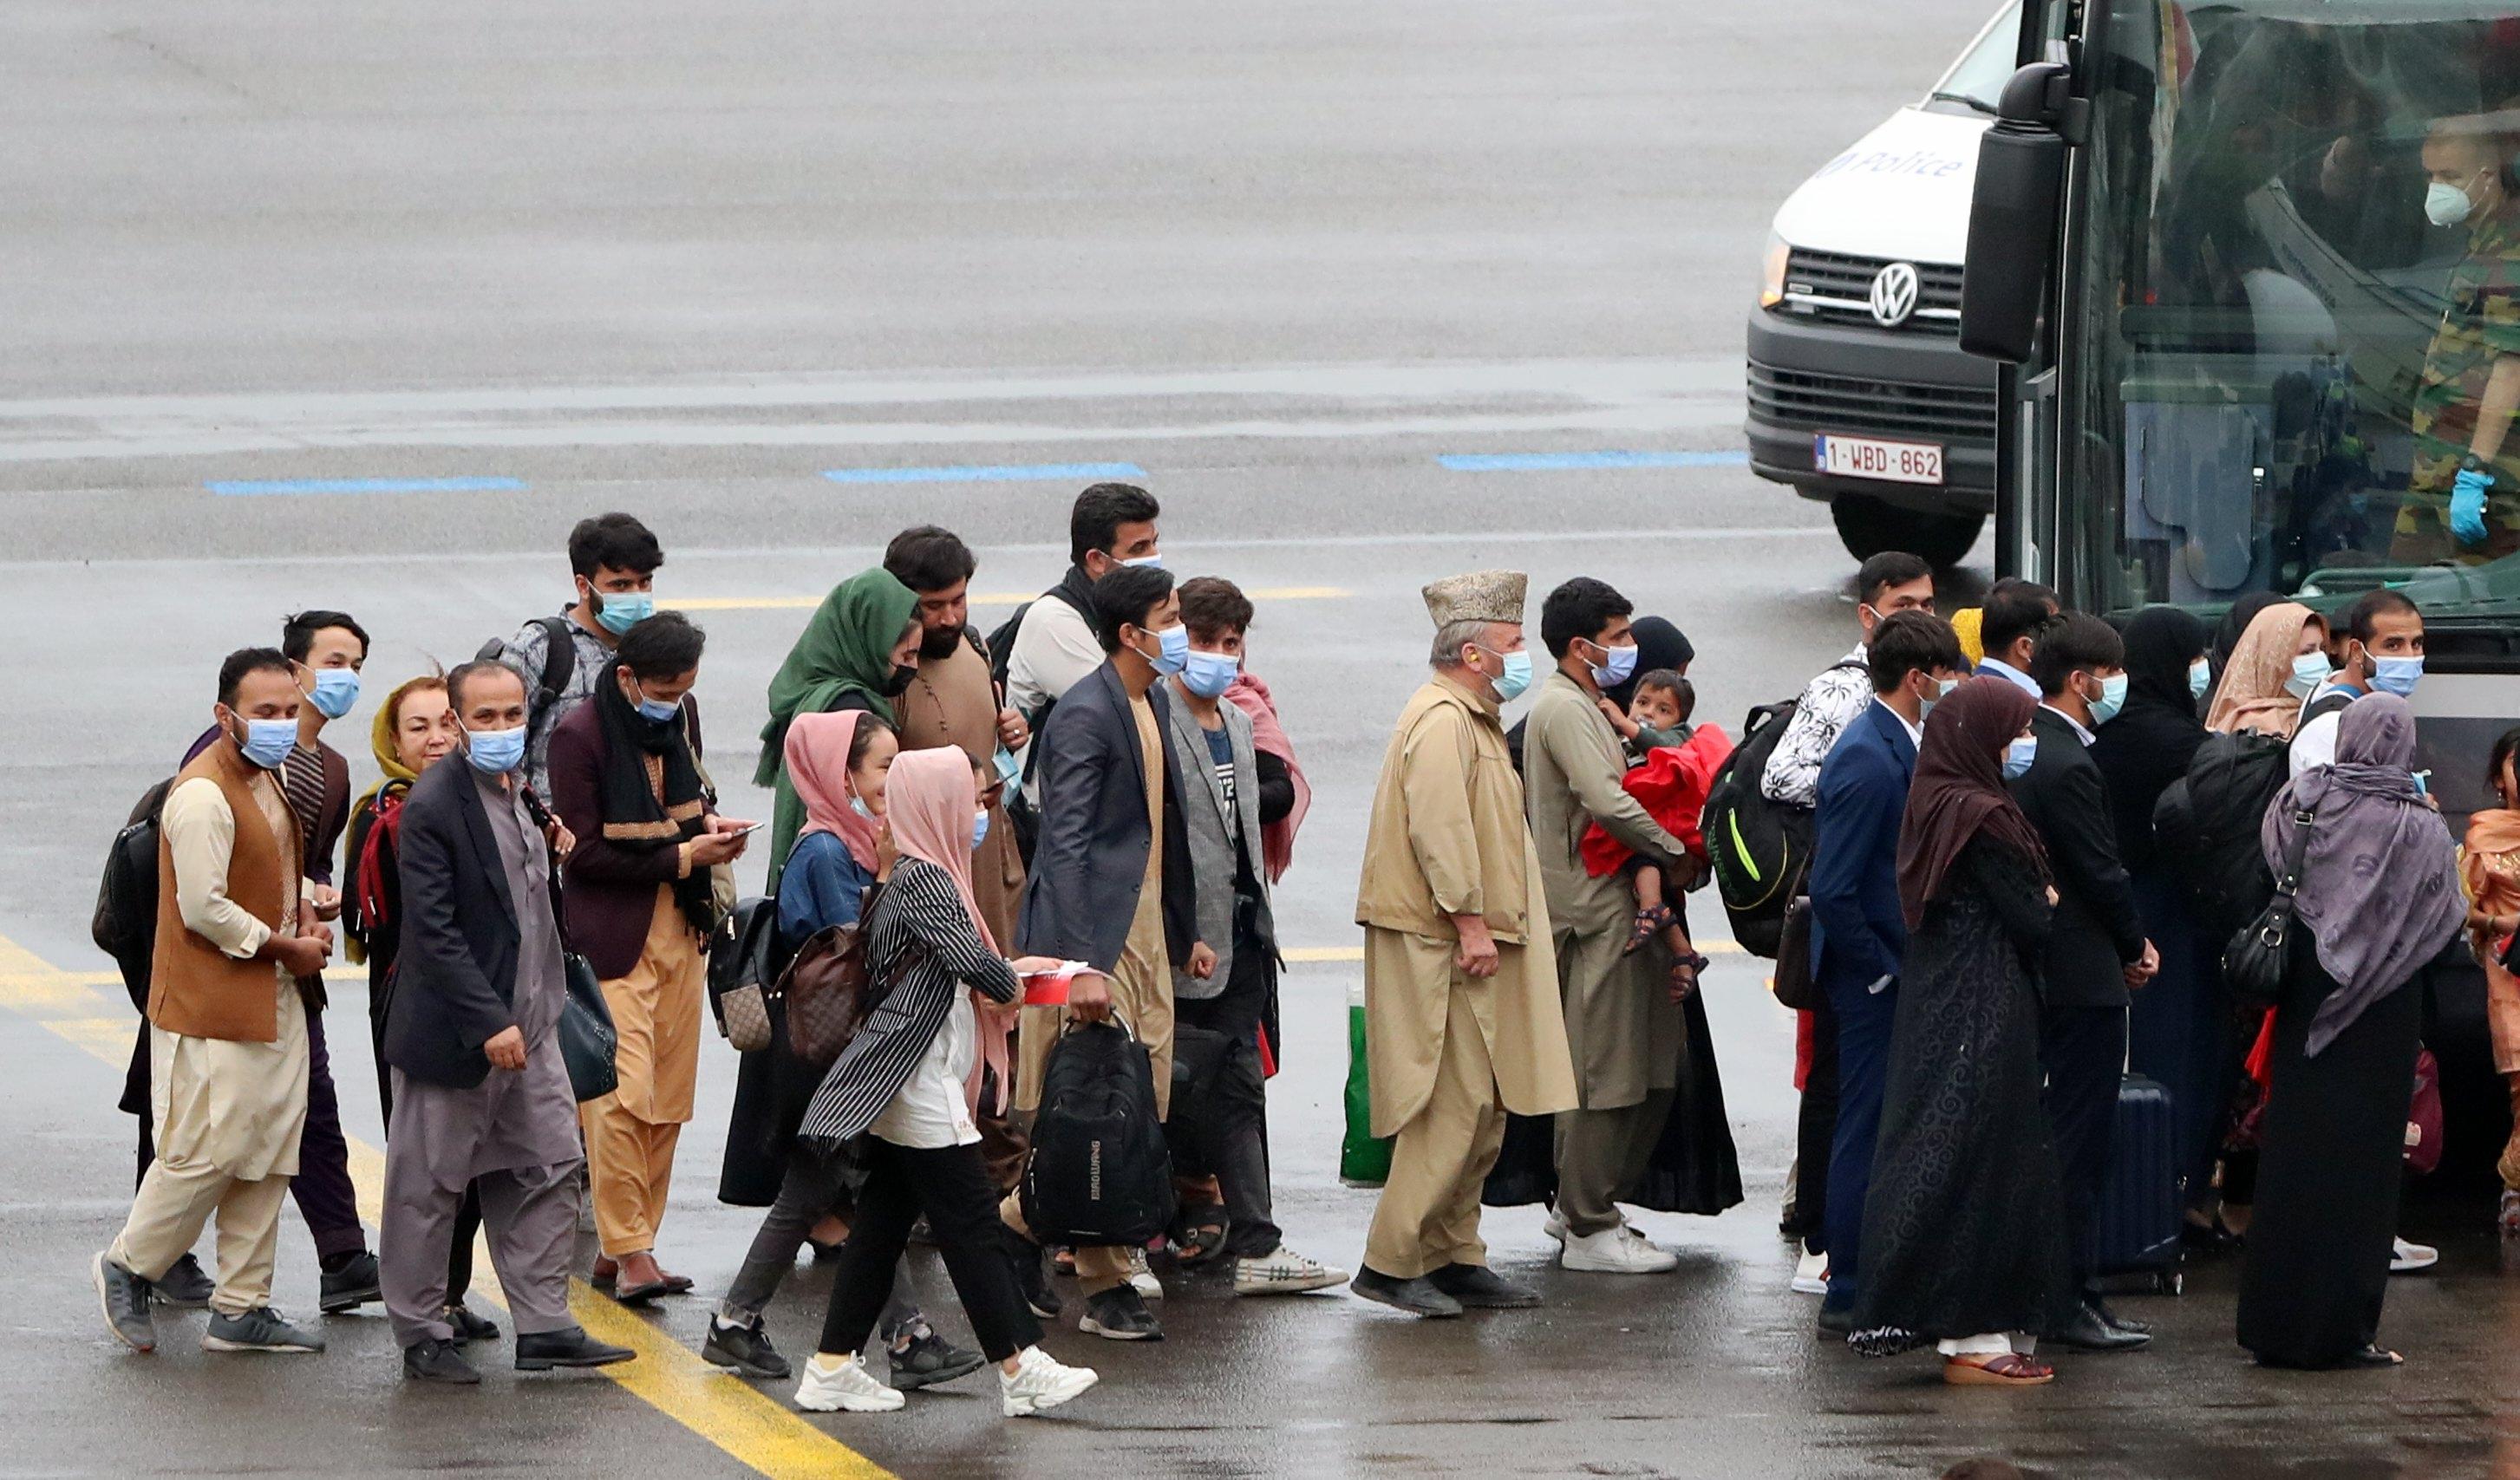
(1098, 1173)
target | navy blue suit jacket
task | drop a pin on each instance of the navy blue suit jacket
(1858, 934)
(1090, 859)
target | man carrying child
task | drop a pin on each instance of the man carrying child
(1670, 764)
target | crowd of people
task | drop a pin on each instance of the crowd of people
(1098, 799)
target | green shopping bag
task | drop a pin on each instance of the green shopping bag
(1365, 1158)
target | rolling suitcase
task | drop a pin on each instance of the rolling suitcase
(2139, 1198)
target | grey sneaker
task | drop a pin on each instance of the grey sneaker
(929, 1359)
(260, 1330)
(124, 1297)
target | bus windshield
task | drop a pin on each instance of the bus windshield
(2293, 307)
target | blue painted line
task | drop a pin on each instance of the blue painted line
(250, 487)
(1555, 462)
(1003, 473)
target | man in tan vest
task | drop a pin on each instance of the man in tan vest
(228, 1055)
(1463, 1020)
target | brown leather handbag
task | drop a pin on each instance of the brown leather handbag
(830, 989)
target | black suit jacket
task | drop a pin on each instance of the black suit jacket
(455, 977)
(1091, 860)
(2097, 932)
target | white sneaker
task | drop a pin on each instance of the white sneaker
(2411, 1257)
(1612, 1252)
(848, 1388)
(1284, 1272)
(1142, 1278)
(1039, 1383)
(1811, 1276)
(1555, 1225)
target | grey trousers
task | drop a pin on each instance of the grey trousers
(531, 1216)
(806, 1194)
(1600, 1155)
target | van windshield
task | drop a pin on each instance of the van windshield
(1976, 81)
(2299, 306)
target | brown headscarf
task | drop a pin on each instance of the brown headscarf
(2252, 694)
(1959, 792)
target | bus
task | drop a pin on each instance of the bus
(2209, 249)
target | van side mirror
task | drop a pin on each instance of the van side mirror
(2012, 236)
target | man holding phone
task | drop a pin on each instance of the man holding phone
(1111, 887)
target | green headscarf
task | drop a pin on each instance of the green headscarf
(846, 648)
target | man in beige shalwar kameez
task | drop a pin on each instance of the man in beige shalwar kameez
(1623, 1015)
(226, 1049)
(1461, 992)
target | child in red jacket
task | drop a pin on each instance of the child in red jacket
(1674, 765)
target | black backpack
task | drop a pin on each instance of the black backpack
(560, 660)
(1758, 849)
(125, 925)
(1098, 1173)
(1002, 648)
(2208, 820)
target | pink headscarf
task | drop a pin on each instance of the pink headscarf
(929, 801)
(818, 767)
(1277, 838)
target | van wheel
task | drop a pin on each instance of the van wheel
(1868, 526)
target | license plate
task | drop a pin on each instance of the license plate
(1873, 458)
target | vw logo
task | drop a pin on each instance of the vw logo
(1893, 294)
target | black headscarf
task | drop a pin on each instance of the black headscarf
(633, 815)
(1659, 645)
(2150, 742)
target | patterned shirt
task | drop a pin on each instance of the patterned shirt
(2479, 324)
(525, 653)
(1827, 706)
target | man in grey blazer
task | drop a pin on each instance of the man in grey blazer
(1111, 887)
(1222, 1012)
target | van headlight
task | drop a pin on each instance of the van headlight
(1772, 280)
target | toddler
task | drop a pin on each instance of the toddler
(1672, 764)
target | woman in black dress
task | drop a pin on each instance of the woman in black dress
(1964, 1228)
(2379, 898)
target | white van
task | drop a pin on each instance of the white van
(1859, 391)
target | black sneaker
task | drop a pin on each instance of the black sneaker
(350, 1287)
(744, 1348)
(438, 1361)
(260, 1330)
(124, 1298)
(185, 1286)
(541, 1351)
(1416, 1296)
(1026, 1258)
(1478, 1285)
(469, 1327)
(930, 1359)
(1120, 1313)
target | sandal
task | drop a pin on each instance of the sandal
(2006, 1370)
(2375, 1355)
(1200, 1234)
(1650, 923)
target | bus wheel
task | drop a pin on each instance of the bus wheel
(1868, 526)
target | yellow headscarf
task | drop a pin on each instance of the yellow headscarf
(1965, 624)
(380, 735)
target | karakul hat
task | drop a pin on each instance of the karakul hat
(1482, 596)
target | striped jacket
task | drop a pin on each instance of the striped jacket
(919, 928)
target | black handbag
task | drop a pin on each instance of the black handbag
(1794, 984)
(2253, 963)
(586, 1034)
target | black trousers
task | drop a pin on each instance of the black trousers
(1815, 1130)
(1219, 1125)
(951, 1185)
(2083, 1051)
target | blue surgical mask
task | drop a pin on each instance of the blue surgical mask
(1172, 650)
(1209, 674)
(336, 691)
(979, 829)
(654, 710)
(495, 752)
(2018, 755)
(1510, 684)
(1152, 562)
(1620, 662)
(2308, 671)
(1942, 690)
(624, 609)
(2396, 675)
(1010, 769)
(2113, 693)
(857, 804)
(268, 742)
(2200, 677)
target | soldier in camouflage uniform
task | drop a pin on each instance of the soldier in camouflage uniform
(2464, 408)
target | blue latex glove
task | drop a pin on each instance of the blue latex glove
(2467, 506)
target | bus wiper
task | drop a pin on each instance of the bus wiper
(1979, 104)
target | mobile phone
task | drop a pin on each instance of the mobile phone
(748, 831)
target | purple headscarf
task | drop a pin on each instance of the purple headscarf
(2379, 887)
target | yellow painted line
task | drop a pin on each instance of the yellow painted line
(978, 599)
(729, 1413)
(1357, 952)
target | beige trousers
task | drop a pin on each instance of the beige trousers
(631, 1132)
(1428, 1214)
(168, 1216)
